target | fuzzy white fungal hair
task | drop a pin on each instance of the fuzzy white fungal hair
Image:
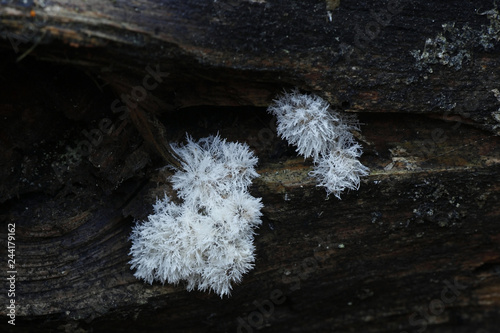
(338, 171)
(308, 122)
(208, 239)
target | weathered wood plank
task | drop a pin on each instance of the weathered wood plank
(379, 260)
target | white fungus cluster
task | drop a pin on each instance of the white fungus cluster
(307, 122)
(208, 239)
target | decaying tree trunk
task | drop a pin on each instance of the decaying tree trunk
(93, 92)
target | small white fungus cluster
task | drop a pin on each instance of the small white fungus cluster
(208, 239)
(307, 122)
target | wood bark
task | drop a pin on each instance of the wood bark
(415, 249)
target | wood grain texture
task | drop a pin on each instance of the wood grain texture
(416, 248)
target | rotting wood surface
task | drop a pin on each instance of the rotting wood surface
(416, 247)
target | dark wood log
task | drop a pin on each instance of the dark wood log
(415, 249)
